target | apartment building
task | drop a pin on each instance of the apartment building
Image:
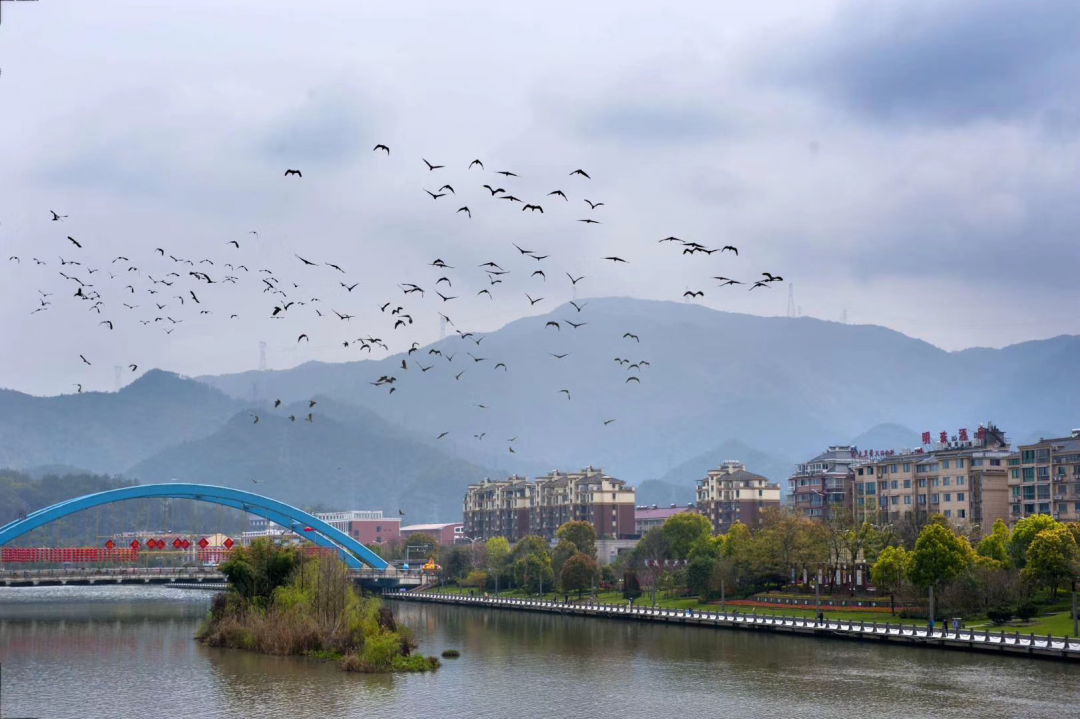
(823, 487)
(1044, 478)
(965, 480)
(516, 507)
(730, 494)
(498, 508)
(444, 532)
(585, 496)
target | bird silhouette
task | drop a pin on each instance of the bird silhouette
(107, 322)
(432, 167)
(306, 262)
(616, 259)
(578, 307)
(532, 301)
(632, 378)
(689, 293)
(303, 337)
(84, 359)
(441, 435)
(466, 210)
(381, 147)
(56, 217)
(634, 337)
(565, 354)
(575, 325)
(294, 172)
(608, 421)
(590, 222)
(763, 283)
(534, 208)
(566, 392)
(74, 242)
(582, 173)
(558, 193)
(771, 278)
(435, 196)
(572, 280)
(730, 248)
(494, 191)
(476, 162)
(554, 324)
(505, 173)
(594, 205)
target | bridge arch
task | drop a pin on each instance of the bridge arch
(351, 551)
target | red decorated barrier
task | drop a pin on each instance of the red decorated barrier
(56, 555)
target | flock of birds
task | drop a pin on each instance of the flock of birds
(164, 289)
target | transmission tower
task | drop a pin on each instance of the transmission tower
(262, 356)
(791, 311)
(843, 316)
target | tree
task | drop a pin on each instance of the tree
(737, 553)
(939, 557)
(1024, 533)
(476, 579)
(421, 547)
(497, 550)
(563, 551)
(579, 573)
(581, 534)
(889, 572)
(532, 564)
(699, 575)
(457, 561)
(1051, 558)
(649, 556)
(683, 530)
(995, 545)
(254, 572)
(631, 587)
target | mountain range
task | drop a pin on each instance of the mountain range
(710, 386)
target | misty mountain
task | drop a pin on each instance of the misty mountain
(790, 386)
(888, 436)
(346, 458)
(662, 494)
(686, 474)
(108, 432)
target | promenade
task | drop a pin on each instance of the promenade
(997, 642)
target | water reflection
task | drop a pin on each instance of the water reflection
(128, 651)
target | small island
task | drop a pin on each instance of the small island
(288, 601)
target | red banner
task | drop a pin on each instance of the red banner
(57, 555)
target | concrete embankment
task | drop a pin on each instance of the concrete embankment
(997, 642)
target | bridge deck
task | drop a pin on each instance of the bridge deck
(169, 575)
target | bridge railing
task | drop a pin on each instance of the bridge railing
(110, 572)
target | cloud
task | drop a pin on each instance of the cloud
(949, 63)
(327, 129)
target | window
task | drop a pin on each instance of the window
(947, 513)
(1044, 508)
(948, 497)
(922, 500)
(1076, 506)
(1029, 509)
(922, 481)
(1027, 456)
(960, 463)
(893, 470)
(946, 481)
(870, 487)
(959, 496)
(894, 500)
(995, 462)
(1016, 492)
(1043, 491)
(960, 481)
(378, 528)
(944, 464)
(907, 466)
(961, 513)
(907, 499)
(1029, 492)
(937, 482)
(1029, 474)
(907, 484)
(934, 499)
(861, 474)
(1013, 461)
(976, 463)
(1043, 473)
(895, 484)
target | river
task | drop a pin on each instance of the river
(128, 652)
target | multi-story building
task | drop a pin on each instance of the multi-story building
(823, 487)
(963, 480)
(585, 496)
(365, 526)
(1044, 478)
(498, 508)
(515, 507)
(445, 532)
(730, 494)
(646, 518)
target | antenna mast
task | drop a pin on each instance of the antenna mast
(791, 311)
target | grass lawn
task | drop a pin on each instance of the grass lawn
(1058, 625)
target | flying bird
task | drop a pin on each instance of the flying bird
(306, 262)
(493, 190)
(504, 173)
(690, 293)
(582, 173)
(771, 278)
(590, 222)
(534, 208)
(74, 242)
(56, 217)
(616, 259)
(476, 162)
(466, 210)
(566, 392)
(293, 172)
(106, 322)
(730, 248)
(531, 300)
(578, 307)
(381, 147)
(558, 193)
(447, 187)
(303, 337)
(631, 336)
(565, 354)
(442, 435)
(594, 205)
(444, 297)
(763, 283)
(575, 325)
(84, 359)
(554, 324)
(608, 421)
(435, 196)
(432, 167)
(635, 379)
(572, 280)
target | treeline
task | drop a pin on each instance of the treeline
(21, 494)
(1005, 573)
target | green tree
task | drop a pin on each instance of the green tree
(1024, 533)
(476, 579)
(532, 564)
(581, 534)
(1051, 558)
(421, 546)
(579, 573)
(563, 551)
(497, 550)
(631, 586)
(889, 572)
(254, 572)
(995, 545)
(683, 530)
(939, 557)
(457, 561)
(699, 573)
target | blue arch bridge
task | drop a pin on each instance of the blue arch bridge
(365, 566)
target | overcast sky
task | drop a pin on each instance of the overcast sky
(911, 162)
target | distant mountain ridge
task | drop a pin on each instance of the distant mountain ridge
(789, 386)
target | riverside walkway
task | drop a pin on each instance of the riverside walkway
(997, 642)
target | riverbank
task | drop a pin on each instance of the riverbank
(1012, 644)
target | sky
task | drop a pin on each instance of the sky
(908, 163)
